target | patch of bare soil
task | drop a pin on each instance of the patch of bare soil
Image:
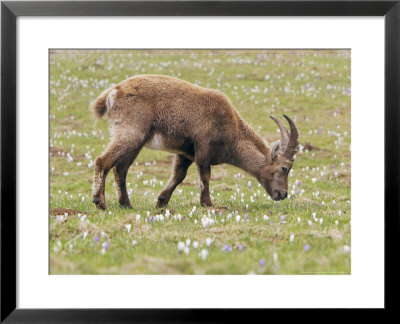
(220, 209)
(56, 151)
(341, 174)
(335, 234)
(163, 210)
(310, 147)
(323, 153)
(68, 124)
(165, 161)
(332, 234)
(222, 187)
(63, 211)
(188, 183)
(216, 178)
(216, 230)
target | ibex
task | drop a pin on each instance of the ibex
(196, 124)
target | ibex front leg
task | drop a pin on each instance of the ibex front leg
(120, 172)
(205, 175)
(179, 171)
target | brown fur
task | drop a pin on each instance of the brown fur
(200, 125)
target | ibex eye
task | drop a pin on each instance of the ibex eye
(284, 170)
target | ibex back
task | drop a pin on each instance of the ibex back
(196, 124)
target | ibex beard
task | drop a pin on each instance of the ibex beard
(196, 124)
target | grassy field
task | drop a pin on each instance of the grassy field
(245, 232)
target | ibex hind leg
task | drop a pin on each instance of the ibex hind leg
(121, 147)
(179, 171)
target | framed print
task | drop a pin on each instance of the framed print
(101, 99)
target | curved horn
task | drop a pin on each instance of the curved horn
(284, 133)
(291, 148)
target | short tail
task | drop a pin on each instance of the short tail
(99, 105)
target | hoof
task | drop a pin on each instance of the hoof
(161, 202)
(99, 204)
(206, 203)
(125, 205)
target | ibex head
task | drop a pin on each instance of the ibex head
(274, 175)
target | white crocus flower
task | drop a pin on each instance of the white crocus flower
(181, 246)
(204, 254)
(195, 245)
(275, 256)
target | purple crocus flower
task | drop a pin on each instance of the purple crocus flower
(227, 248)
(306, 247)
(262, 262)
(106, 245)
(236, 212)
(240, 248)
(96, 240)
(246, 216)
(282, 218)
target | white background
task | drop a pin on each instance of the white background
(363, 288)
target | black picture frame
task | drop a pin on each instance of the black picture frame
(9, 13)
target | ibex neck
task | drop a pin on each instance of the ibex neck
(250, 152)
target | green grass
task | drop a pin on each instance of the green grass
(312, 87)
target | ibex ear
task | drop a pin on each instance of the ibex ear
(274, 150)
